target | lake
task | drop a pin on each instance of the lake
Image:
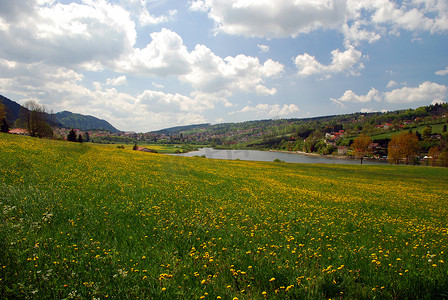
(271, 156)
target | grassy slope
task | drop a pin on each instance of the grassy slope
(436, 128)
(90, 221)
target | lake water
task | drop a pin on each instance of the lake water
(271, 156)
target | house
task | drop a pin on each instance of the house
(19, 131)
(143, 149)
(342, 150)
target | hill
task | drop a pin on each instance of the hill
(83, 122)
(83, 221)
(12, 109)
(178, 129)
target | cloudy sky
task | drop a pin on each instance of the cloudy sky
(150, 64)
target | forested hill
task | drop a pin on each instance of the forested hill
(178, 129)
(83, 122)
(12, 109)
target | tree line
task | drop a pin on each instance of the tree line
(406, 146)
(4, 127)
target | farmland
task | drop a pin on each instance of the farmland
(83, 221)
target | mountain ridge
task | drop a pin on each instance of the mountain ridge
(83, 122)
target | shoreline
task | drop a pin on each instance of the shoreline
(310, 154)
(325, 156)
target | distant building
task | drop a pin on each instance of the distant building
(143, 149)
(342, 150)
(19, 131)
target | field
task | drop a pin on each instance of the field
(168, 148)
(82, 221)
(436, 128)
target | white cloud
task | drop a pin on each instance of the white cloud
(205, 71)
(425, 92)
(158, 85)
(263, 48)
(271, 110)
(165, 55)
(357, 32)
(350, 96)
(265, 18)
(196, 102)
(211, 73)
(357, 20)
(65, 35)
(434, 102)
(442, 72)
(366, 110)
(138, 8)
(430, 15)
(199, 5)
(349, 61)
(391, 83)
(121, 80)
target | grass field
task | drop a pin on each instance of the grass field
(160, 148)
(436, 128)
(84, 221)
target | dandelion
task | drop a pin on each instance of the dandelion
(272, 279)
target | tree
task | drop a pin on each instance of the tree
(34, 118)
(393, 151)
(434, 154)
(79, 138)
(2, 111)
(361, 146)
(426, 132)
(3, 124)
(135, 147)
(403, 146)
(438, 156)
(71, 137)
(4, 127)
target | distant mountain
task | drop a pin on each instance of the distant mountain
(177, 129)
(62, 119)
(83, 122)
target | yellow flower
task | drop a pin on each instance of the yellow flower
(272, 279)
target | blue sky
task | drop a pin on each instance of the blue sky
(145, 65)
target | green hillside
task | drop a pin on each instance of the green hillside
(82, 221)
(83, 122)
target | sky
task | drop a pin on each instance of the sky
(145, 65)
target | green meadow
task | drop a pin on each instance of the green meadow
(83, 221)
